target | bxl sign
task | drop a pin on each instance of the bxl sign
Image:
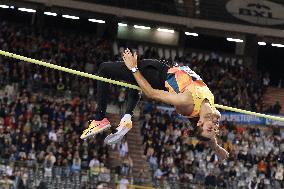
(257, 11)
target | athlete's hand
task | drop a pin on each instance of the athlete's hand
(129, 59)
(221, 152)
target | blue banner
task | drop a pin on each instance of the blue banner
(249, 119)
(238, 118)
(243, 118)
(274, 122)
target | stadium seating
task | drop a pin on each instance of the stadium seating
(43, 112)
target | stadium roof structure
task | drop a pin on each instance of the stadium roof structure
(263, 18)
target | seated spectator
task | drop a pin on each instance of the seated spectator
(66, 168)
(123, 183)
(158, 176)
(221, 182)
(123, 148)
(262, 167)
(141, 177)
(48, 164)
(261, 184)
(95, 169)
(279, 174)
(253, 184)
(210, 181)
(153, 160)
(127, 165)
(76, 166)
(276, 108)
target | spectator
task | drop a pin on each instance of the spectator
(123, 148)
(266, 79)
(123, 183)
(262, 167)
(253, 184)
(121, 99)
(158, 176)
(48, 164)
(127, 165)
(153, 160)
(276, 108)
(261, 184)
(210, 181)
(94, 161)
(221, 182)
(76, 166)
(141, 177)
(279, 174)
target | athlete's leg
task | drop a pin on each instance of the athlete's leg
(111, 70)
(155, 74)
(153, 71)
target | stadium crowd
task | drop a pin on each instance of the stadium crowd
(43, 113)
(36, 129)
(256, 154)
(34, 126)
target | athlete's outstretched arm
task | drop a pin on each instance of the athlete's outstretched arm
(160, 95)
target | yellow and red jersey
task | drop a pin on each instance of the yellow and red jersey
(182, 78)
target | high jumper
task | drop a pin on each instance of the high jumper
(178, 86)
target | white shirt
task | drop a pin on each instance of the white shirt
(124, 147)
(94, 162)
(52, 136)
(123, 183)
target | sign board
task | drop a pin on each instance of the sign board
(238, 118)
(261, 12)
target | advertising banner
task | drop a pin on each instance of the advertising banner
(238, 118)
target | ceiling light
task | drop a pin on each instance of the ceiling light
(142, 27)
(70, 17)
(122, 24)
(166, 30)
(4, 6)
(261, 43)
(26, 10)
(50, 13)
(235, 40)
(277, 45)
(191, 34)
(97, 21)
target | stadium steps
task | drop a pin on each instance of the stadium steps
(272, 95)
(114, 159)
(136, 150)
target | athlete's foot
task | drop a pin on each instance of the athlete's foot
(123, 128)
(96, 127)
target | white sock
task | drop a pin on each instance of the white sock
(126, 116)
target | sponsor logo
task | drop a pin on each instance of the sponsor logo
(257, 11)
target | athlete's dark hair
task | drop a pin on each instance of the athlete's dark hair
(197, 132)
(197, 129)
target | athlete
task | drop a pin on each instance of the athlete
(178, 86)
